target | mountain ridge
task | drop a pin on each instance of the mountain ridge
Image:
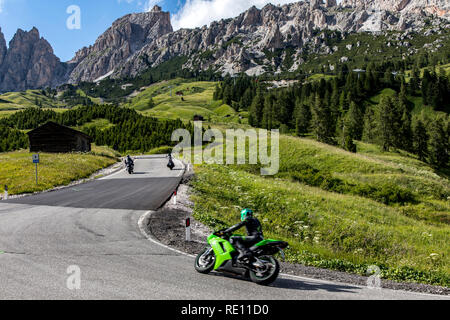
(28, 62)
(138, 41)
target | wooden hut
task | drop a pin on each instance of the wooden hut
(55, 138)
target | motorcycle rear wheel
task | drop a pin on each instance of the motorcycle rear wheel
(204, 263)
(269, 276)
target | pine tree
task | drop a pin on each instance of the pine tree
(438, 144)
(352, 127)
(256, 109)
(404, 132)
(268, 119)
(414, 82)
(284, 114)
(323, 127)
(420, 140)
(387, 123)
(247, 99)
(228, 95)
(303, 118)
(354, 121)
(427, 80)
(217, 93)
(370, 126)
(349, 144)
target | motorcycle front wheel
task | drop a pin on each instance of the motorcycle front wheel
(205, 261)
(267, 274)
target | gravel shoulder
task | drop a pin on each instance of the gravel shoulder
(167, 225)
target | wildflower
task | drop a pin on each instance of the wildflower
(434, 256)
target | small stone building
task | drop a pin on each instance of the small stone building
(55, 138)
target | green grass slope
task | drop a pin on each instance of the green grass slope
(340, 210)
(196, 99)
(12, 101)
(18, 172)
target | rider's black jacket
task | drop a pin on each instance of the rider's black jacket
(129, 161)
(254, 228)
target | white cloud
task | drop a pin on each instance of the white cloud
(2, 3)
(197, 13)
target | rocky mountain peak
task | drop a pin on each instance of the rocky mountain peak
(3, 47)
(440, 8)
(126, 36)
(29, 62)
(242, 43)
(156, 8)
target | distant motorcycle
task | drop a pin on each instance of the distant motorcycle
(130, 166)
(171, 164)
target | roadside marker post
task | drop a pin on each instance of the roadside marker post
(188, 229)
(175, 197)
(36, 161)
(6, 192)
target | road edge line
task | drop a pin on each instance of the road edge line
(141, 224)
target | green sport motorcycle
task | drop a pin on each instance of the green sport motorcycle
(221, 256)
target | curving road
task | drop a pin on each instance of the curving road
(95, 227)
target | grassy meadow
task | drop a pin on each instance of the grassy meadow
(18, 172)
(196, 100)
(14, 101)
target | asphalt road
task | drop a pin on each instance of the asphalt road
(95, 227)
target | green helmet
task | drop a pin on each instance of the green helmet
(246, 213)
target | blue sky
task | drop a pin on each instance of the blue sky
(50, 17)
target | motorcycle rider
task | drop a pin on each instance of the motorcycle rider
(129, 161)
(254, 231)
(171, 164)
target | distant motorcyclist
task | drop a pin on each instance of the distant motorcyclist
(171, 164)
(254, 231)
(129, 161)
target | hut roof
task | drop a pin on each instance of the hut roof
(53, 126)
